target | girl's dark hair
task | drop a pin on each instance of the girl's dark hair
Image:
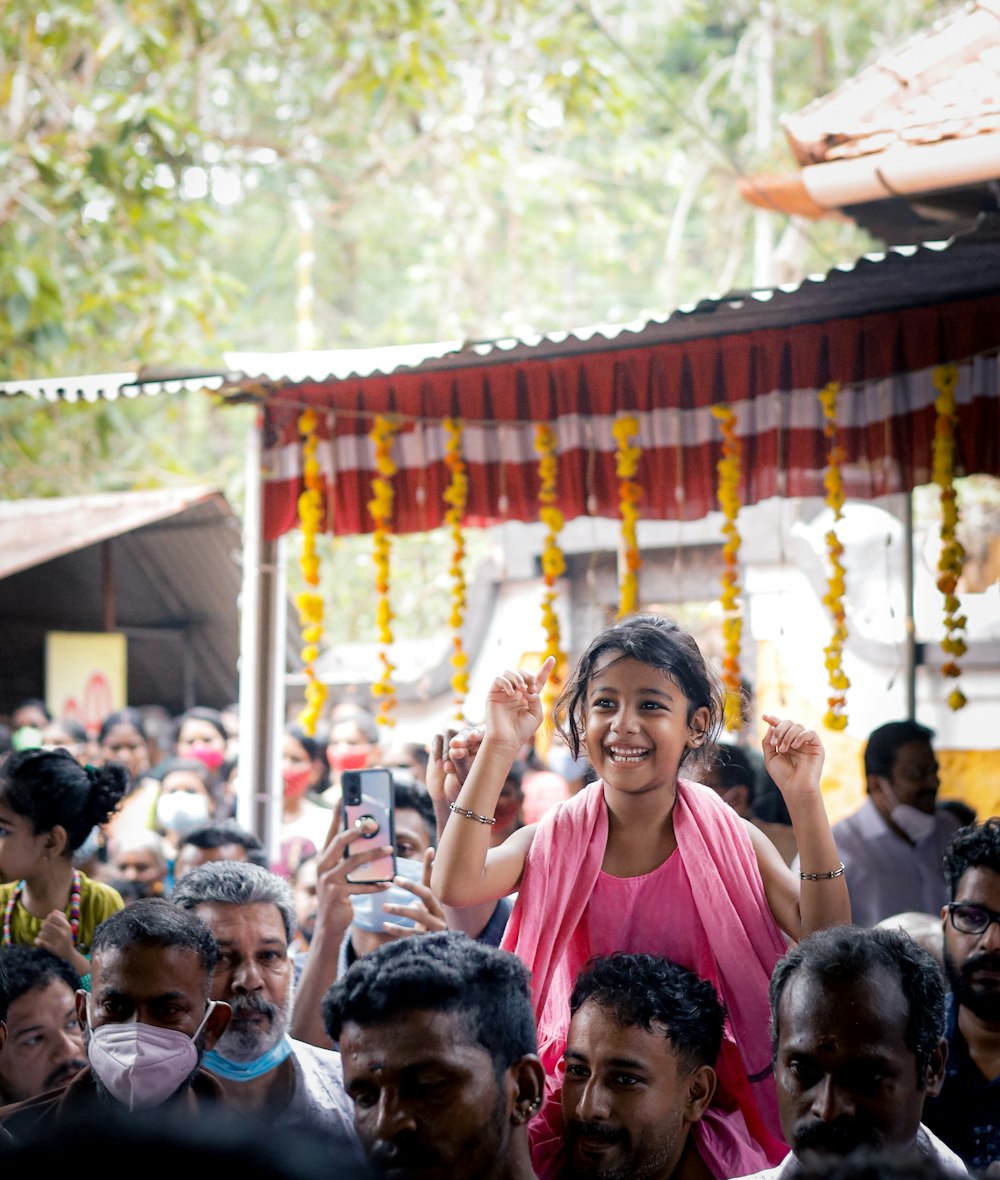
(50, 788)
(662, 644)
(126, 716)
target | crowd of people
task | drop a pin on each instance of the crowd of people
(652, 957)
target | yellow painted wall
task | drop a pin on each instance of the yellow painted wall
(970, 775)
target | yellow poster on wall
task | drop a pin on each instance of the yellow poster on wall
(85, 675)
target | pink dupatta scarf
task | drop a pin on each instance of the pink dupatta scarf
(731, 910)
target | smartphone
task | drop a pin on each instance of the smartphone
(368, 810)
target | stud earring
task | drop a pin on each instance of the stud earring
(523, 1113)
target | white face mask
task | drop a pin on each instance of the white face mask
(182, 811)
(142, 1065)
(912, 822)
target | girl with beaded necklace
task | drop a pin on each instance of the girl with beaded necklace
(49, 804)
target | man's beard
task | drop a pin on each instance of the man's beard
(983, 1002)
(243, 1042)
(632, 1165)
(840, 1137)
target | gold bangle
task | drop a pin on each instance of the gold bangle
(483, 819)
(839, 872)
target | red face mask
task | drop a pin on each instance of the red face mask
(296, 780)
(350, 758)
(207, 755)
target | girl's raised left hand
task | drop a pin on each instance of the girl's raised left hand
(514, 707)
(793, 757)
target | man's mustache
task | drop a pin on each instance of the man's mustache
(386, 1156)
(839, 1137)
(986, 961)
(576, 1130)
(68, 1069)
(252, 1003)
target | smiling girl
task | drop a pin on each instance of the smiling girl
(644, 860)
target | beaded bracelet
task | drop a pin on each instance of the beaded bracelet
(483, 819)
(823, 876)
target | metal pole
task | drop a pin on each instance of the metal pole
(246, 785)
(910, 637)
(278, 658)
(108, 585)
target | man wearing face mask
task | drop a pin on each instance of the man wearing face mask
(264, 1072)
(893, 844)
(147, 1021)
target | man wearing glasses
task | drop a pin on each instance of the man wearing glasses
(966, 1114)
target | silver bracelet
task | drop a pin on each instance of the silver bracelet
(839, 872)
(483, 819)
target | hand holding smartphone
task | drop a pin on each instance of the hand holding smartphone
(367, 800)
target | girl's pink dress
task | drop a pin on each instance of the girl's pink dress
(704, 907)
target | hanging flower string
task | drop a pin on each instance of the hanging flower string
(380, 506)
(833, 599)
(553, 562)
(729, 469)
(952, 558)
(310, 602)
(456, 496)
(626, 467)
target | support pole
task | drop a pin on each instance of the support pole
(276, 651)
(108, 586)
(256, 679)
(910, 640)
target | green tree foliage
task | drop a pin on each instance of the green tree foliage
(178, 176)
(471, 167)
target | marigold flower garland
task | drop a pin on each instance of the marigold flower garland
(728, 468)
(380, 506)
(553, 562)
(456, 496)
(309, 602)
(626, 466)
(833, 600)
(952, 558)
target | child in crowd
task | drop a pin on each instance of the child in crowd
(49, 804)
(643, 860)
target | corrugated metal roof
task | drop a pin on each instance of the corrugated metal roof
(109, 387)
(175, 561)
(899, 277)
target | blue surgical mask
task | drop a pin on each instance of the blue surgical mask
(369, 912)
(245, 1071)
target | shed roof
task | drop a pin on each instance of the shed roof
(175, 572)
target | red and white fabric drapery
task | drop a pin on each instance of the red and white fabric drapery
(769, 377)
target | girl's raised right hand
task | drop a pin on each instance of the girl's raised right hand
(514, 706)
